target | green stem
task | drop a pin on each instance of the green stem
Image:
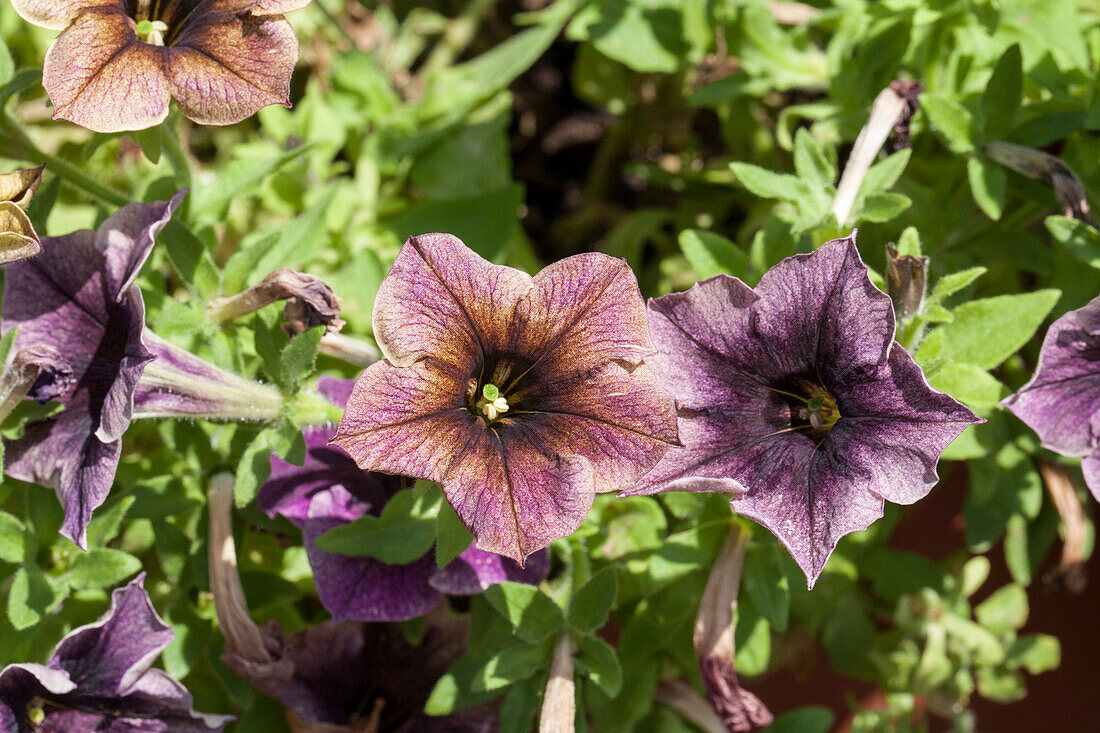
(68, 172)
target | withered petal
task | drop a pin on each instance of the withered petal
(20, 185)
(100, 76)
(18, 240)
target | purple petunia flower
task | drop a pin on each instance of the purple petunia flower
(522, 396)
(100, 677)
(77, 301)
(795, 396)
(328, 490)
(1061, 402)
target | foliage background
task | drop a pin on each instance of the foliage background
(690, 137)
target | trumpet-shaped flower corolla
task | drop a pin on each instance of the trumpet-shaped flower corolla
(117, 63)
(328, 490)
(522, 396)
(1061, 402)
(101, 677)
(794, 397)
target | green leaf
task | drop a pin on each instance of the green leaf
(810, 719)
(987, 184)
(600, 663)
(299, 355)
(971, 385)
(1078, 238)
(884, 174)
(237, 179)
(190, 258)
(953, 121)
(151, 142)
(986, 332)
(7, 64)
(948, 285)
(1006, 610)
(404, 532)
(520, 705)
(532, 614)
(1003, 94)
(1037, 653)
(451, 536)
(974, 574)
(766, 585)
(646, 36)
(283, 440)
(769, 185)
(13, 539)
(510, 665)
(1003, 484)
(31, 596)
(710, 254)
(753, 642)
(810, 161)
(107, 521)
(591, 604)
(1000, 685)
(880, 207)
(100, 567)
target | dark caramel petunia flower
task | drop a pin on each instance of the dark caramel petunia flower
(18, 240)
(117, 63)
(522, 396)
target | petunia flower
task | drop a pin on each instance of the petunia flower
(328, 490)
(795, 397)
(117, 63)
(522, 396)
(77, 300)
(1061, 402)
(18, 240)
(100, 677)
(384, 680)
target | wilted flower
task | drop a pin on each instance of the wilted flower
(328, 490)
(1062, 401)
(18, 240)
(100, 677)
(77, 300)
(116, 64)
(795, 395)
(522, 396)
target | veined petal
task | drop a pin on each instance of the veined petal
(475, 570)
(19, 186)
(820, 312)
(100, 76)
(516, 494)
(1091, 469)
(114, 652)
(615, 416)
(54, 14)
(1061, 402)
(126, 239)
(226, 66)
(441, 299)
(584, 311)
(408, 421)
(18, 240)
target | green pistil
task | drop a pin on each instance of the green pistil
(145, 27)
(490, 392)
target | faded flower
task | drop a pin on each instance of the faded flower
(18, 240)
(1061, 403)
(117, 63)
(522, 396)
(77, 301)
(795, 397)
(100, 677)
(328, 490)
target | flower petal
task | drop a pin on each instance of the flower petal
(52, 14)
(126, 239)
(1091, 468)
(819, 312)
(362, 588)
(100, 76)
(1061, 402)
(226, 66)
(19, 186)
(440, 299)
(476, 570)
(107, 657)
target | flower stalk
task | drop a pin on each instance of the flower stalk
(560, 700)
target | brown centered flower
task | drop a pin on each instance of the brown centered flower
(117, 63)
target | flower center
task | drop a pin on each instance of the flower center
(152, 31)
(492, 403)
(819, 411)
